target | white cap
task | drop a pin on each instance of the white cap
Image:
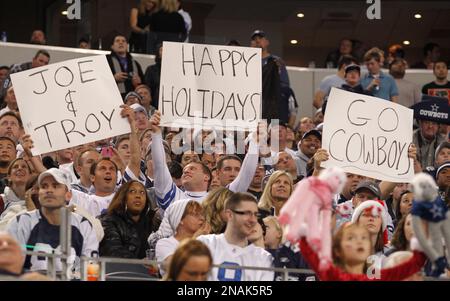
(174, 213)
(60, 176)
(138, 108)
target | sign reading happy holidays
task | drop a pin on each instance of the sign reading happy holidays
(210, 86)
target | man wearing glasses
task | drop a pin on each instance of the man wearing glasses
(232, 248)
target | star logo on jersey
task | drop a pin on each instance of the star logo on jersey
(434, 108)
(436, 211)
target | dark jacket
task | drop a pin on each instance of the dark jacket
(152, 79)
(168, 26)
(125, 238)
(271, 91)
(130, 70)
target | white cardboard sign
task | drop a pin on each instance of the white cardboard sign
(210, 86)
(69, 103)
(368, 136)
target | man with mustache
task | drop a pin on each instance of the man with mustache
(40, 229)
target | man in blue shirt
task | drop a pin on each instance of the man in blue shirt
(381, 84)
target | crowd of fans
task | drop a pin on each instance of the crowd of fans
(133, 196)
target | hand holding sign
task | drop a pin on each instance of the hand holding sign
(320, 156)
(155, 122)
(412, 151)
(27, 144)
(70, 103)
(368, 136)
(128, 112)
(210, 86)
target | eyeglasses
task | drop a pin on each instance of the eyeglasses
(247, 214)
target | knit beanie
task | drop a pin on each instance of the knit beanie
(175, 213)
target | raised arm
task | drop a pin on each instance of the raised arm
(165, 188)
(248, 168)
(27, 144)
(135, 161)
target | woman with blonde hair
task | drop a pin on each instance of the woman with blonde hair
(214, 206)
(276, 192)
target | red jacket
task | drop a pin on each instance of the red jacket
(334, 273)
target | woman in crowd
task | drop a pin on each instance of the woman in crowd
(276, 192)
(128, 223)
(140, 18)
(372, 216)
(214, 205)
(192, 261)
(186, 218)
(14, 195)
(403, 207)
(403, 234)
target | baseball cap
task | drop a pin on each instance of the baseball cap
(352, 67)
(371, 186)
(313, 132)
(132, 94)
(60, 176)
(138, 108)
(258, 33)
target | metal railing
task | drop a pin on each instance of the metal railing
(54, 274)
(128, 275)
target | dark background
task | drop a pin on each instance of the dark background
(218, 21)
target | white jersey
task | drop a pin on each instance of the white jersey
(165, 248)
(165, 230)
(93, 204)
(31, 229)
(166, 190)
(224, 253)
